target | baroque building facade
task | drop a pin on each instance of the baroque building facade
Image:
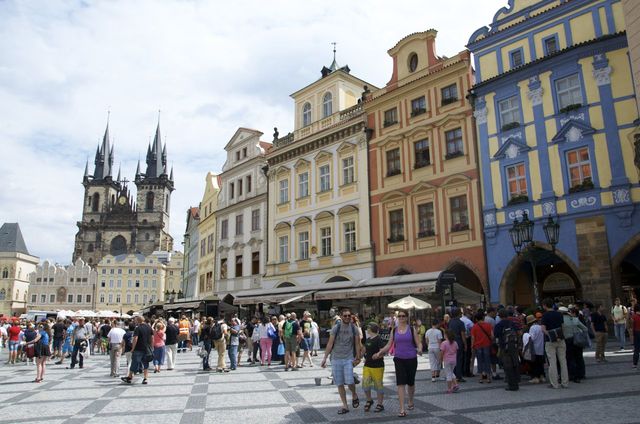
(191, 245)
(56, 287)
(241, 214)
(555, 107)
(207, 237)
(423, 172)
(115, 222)
(16, 263)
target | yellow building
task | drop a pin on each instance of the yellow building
(207, 237)
(16, 263)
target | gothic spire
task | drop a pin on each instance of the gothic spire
(119, 168)
(104, 157)
(334, 65)
(155, 166)
(171, 175)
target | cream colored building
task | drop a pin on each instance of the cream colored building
(318, 218)
(207, 235)
(241, 214)
(54, 287)
(129, 282)
(16, 263)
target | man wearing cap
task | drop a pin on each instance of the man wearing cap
(79, 343)
(554, 344)
(172, 343)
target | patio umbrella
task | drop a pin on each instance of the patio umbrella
(409, 302)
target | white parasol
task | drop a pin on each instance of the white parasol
(409, 302)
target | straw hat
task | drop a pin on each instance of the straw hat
(563, 309)
(531, 319)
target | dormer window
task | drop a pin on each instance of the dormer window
(306, 114)
(413, 62)
(327, 105)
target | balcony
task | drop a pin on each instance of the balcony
(418, 112)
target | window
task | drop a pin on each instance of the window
(418, 106)
(396, 225)
(454, 143)
(101, 297)
(255, 220)
(579, 166)
(303, 184)
(3, 294)
(240, 187)
(283, 249)
(110, 297)
(90, 248)
(5, 272)
(145, 284)
(136, 298)
(325, 241)
(393, 162)
(52, 298)
(149, 204)
(413, 62)
(239, 266)
(421, 150)
(449, 94)
(117, 297)
(238, 155)
(325, 178)
(284, 191)
(516, 58)
(569, 92)
(244, 152)
(327, 105)
(43, 298)
(459, 213)
(248, 183)
(517, 181)
(255, 263)
(390, 117)
(210, 247)
(303, 245)
(103, 283)
(306, 114)
(138, 283)
(426, 226)
(550, 45)
(119, 284)
(129, 283)
(348, 170)
(95, 205)
(239, 224)
(110, 284)
(349, 236)
(69, 298)
(223, 268)
(203, 248)
(232, 189)
(509, 113)
(119, 270)
(224, 229)
(88, 298)
(154, 284)
(128, 297)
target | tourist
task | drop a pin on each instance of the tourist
(291, 334)
(29, 335)
(460, 332)
(554, 345)
(142, 350)
(266, 333)
(104, 340)
(205, 339)
(159, 338)
(433, 338)
(195, 331)
(481, 340)
(635, 317)
(171, 343)
(128, 342)
(116, 347)
(467, 319)
(184, 330)
(58, 337)
(234, 342)
(79, 341)
(406, 343)
(315, 337)
(218, 335)
(373, 372)
(280, 352)
(254, 335)
(305, 341)
(41, 348)
(619, 314)
(533, 342)
(599, 329)
(14, 341)
(449, 357)
(508, 339)
(67, 348)
(344, 342)
(571, 325)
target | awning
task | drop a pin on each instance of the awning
(184, 305)
(427, 287)
(298, 297)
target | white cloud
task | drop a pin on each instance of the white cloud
(210, 66)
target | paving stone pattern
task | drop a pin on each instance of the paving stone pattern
(269, 395)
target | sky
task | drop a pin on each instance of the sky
(209, 67)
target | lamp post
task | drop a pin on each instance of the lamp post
(521, 234)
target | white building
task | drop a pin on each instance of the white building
(16, 263)
(241, 214)
(56, 287)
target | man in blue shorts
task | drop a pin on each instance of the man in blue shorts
(345, 349)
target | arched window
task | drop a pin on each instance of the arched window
(118, 246)
(327, 105)
(3, 294)
(90, 261)
(5, 272)
(306, 114)
(90, 247)
(149, 204)
(147, 236)
(95, 205)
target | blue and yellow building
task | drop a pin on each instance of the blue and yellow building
(555, 106)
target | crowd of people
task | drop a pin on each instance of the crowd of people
(545, 344)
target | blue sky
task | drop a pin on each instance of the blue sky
(210, 67)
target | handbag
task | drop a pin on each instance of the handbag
(202, 352)
(280, 349)
(148, 355)
(580, 338)
(271, 333)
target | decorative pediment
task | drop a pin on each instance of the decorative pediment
(303, 220)
(282, 170)
(420, 132)
(394, 195)
(423, 186)
(511, 149)
(282, 226)
(573, 131)
(301, 163)
(391, 142)
(323, 215)
(347, 209)
(322, 156)
(450, 119)
(346, 147)
(240, 137)
(456, 178)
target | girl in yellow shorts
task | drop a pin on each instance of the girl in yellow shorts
(373, 372)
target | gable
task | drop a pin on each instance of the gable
(240, 137)
(572, 131)
(511, 149)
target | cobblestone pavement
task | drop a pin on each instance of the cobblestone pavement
(256, 394)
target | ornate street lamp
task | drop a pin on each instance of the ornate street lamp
(526, 230)
(514, 233)
(180, 295)
(552, 232)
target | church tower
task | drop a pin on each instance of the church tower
(154, 198)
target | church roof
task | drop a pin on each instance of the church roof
(11, 239)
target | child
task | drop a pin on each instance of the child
(433, 338)
(448, 351)
(373, 371)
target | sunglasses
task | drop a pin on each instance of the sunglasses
(402, 316)
(346, 316)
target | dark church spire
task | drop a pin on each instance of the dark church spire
(104, 158)
(156, 157)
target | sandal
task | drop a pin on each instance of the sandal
(379, 408)
(367, 405)
(355, 402)
(402, 414)
(410, 406)
(343, 411)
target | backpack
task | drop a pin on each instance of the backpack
(512, 342)
(288, 329)
(528, 352)
(216, 331)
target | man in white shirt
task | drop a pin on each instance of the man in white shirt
(196, 331)
(116, 347)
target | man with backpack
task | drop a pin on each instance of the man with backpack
(171, 343)
(619, 315)
(218, 335)
(345, 348)
(509, 346)
(291, 334)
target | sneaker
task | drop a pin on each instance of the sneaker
(497, 377)
(126, 380)
(442, 378)
(144, 381)
(534, 381)
(456, 389)
(433, 379)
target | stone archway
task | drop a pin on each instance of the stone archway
(516, 287)
(625, 267)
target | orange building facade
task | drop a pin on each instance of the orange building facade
(423, 173)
